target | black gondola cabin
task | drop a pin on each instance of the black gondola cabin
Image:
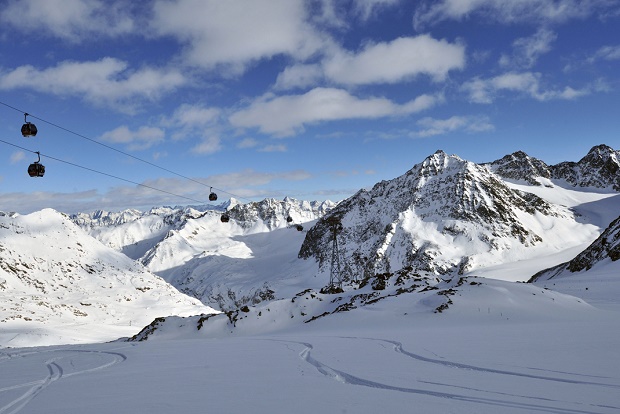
(36, 170)
(29, 130)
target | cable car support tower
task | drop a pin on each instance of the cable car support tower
(336, 274)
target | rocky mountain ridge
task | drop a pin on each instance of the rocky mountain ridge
(598, 169)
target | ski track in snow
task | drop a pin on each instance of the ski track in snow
(347, 378)
(56, 372)
(398, 347)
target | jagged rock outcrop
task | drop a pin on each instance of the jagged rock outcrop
(441, 217)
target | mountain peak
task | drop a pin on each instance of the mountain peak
(521, 167)
(404, 222)
(599, 168)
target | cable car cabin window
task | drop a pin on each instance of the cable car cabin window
(36, 170)
(29, 130)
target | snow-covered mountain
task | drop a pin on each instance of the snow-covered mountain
(598, 169)
(424, 234)
(444, 216)
(134, 232)
(223, 264)
(52, 274)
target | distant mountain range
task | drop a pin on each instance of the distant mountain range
(423, 233)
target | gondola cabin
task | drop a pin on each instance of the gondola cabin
(212, 196)
(289, 219)
(36, 170)
(29, 130)
(225, 218)
(299, 227)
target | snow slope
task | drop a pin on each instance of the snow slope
(59, 285)
(483, 355)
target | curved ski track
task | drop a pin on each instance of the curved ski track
(535, 406)
(55, 372)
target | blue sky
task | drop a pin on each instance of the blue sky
(312, 99)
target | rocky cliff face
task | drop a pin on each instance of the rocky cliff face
(441, 217)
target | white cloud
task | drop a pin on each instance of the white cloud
(529, 83)
(235, 33)
(431, 126)
(299, 76)
(210, 144)
(73, 20)
(527, 50)
(512, 11)
(247, 143)
(193, 115)
(17, 157)
(106, 81)
(197, 121)
(285, 115)
(140, 139)
(396, 61)
(606, 53)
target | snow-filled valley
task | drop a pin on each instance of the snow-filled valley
(174, 310)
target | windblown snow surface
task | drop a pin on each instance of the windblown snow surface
(501, 346)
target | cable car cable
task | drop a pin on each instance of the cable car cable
(104, 173)
(121, 152)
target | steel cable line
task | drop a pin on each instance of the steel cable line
(120, 152)
(104, 173)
